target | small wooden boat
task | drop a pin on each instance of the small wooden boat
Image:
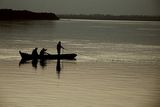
(26, 56)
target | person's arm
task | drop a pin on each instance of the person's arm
(62, 47)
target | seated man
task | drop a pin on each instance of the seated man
(35, 54)
(43, 52)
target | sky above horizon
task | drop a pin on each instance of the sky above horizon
(113, 7)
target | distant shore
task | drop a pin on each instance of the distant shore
(110, 17)
(9, 14)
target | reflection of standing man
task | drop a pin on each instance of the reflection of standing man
(59, 46)
(58, 67)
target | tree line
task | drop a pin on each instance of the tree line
(110, 17)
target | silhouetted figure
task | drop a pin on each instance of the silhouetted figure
(58, 68)
(42, 53)
(59, 46)
(35, 54)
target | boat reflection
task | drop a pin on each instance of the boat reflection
(43, 64)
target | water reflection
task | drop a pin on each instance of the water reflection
(43, 64)
(58, 68)
(34, 63)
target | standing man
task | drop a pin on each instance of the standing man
(59, 46)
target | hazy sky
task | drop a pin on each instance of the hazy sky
(115, 7)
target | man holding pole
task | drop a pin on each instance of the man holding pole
(59, 46)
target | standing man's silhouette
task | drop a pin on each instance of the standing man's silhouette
(59, 46)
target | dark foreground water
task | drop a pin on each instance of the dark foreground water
(118, 64)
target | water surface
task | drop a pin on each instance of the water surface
(117, 64)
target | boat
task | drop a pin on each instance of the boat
(26, 56)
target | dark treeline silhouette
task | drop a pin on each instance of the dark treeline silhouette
(9, 14)
(110, 17)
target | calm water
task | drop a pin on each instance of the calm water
(118, 64)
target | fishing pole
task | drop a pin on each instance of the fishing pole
(73, 52)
